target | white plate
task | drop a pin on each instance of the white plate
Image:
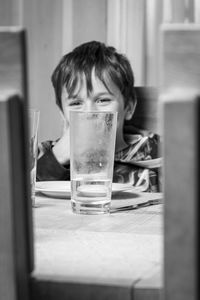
(62, 189)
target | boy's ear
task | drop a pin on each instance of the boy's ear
(129, 110)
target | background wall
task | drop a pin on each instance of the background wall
(43, 21)
(53, 28)
(89, 21)
(56, 27)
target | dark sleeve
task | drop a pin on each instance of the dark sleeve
(48, 168)
(154, 146)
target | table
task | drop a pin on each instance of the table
(115, 256)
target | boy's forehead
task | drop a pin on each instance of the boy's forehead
(97, 86)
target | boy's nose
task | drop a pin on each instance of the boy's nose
(90, 105)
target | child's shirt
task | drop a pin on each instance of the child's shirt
(138, 164)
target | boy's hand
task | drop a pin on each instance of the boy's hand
(61, 150)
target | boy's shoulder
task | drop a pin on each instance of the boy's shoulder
(143, 148)
(44, 146)
(133, 135)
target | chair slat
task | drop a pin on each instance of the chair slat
(146, 115)
(16, 238)
(181, 194)
(180, 86)
(13, 72)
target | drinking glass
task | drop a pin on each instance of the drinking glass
(92, 148)
(33, 117)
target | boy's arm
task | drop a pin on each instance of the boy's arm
(48, 167)
(61, 149)
(54, 158)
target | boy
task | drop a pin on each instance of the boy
(96, 77)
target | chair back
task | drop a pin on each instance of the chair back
(16, 235)
(146, 115)
(180, 84)
(16, 231)
(13, 71)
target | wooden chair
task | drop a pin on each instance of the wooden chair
(181, 194)
(146, 116)
(16, 236)
(180, 84)
(13, 70)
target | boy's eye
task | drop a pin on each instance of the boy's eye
(75, 103)
(103, 101)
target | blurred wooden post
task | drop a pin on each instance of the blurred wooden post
(16, 232)
(181, 176)
(15, 204)
(180, 86)
(13, 72)
(180, 56)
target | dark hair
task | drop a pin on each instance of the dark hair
(106, 62)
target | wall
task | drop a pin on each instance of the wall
(44, 30)
(10, 12)
(54, 28)
(89, 21)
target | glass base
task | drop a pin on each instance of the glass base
(90, 208)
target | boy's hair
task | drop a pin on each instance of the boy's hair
(107, 64)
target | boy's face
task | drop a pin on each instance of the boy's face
(99, 99)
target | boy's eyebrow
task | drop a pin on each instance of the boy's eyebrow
(73, 97)
(105, 93)
(76, 96)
